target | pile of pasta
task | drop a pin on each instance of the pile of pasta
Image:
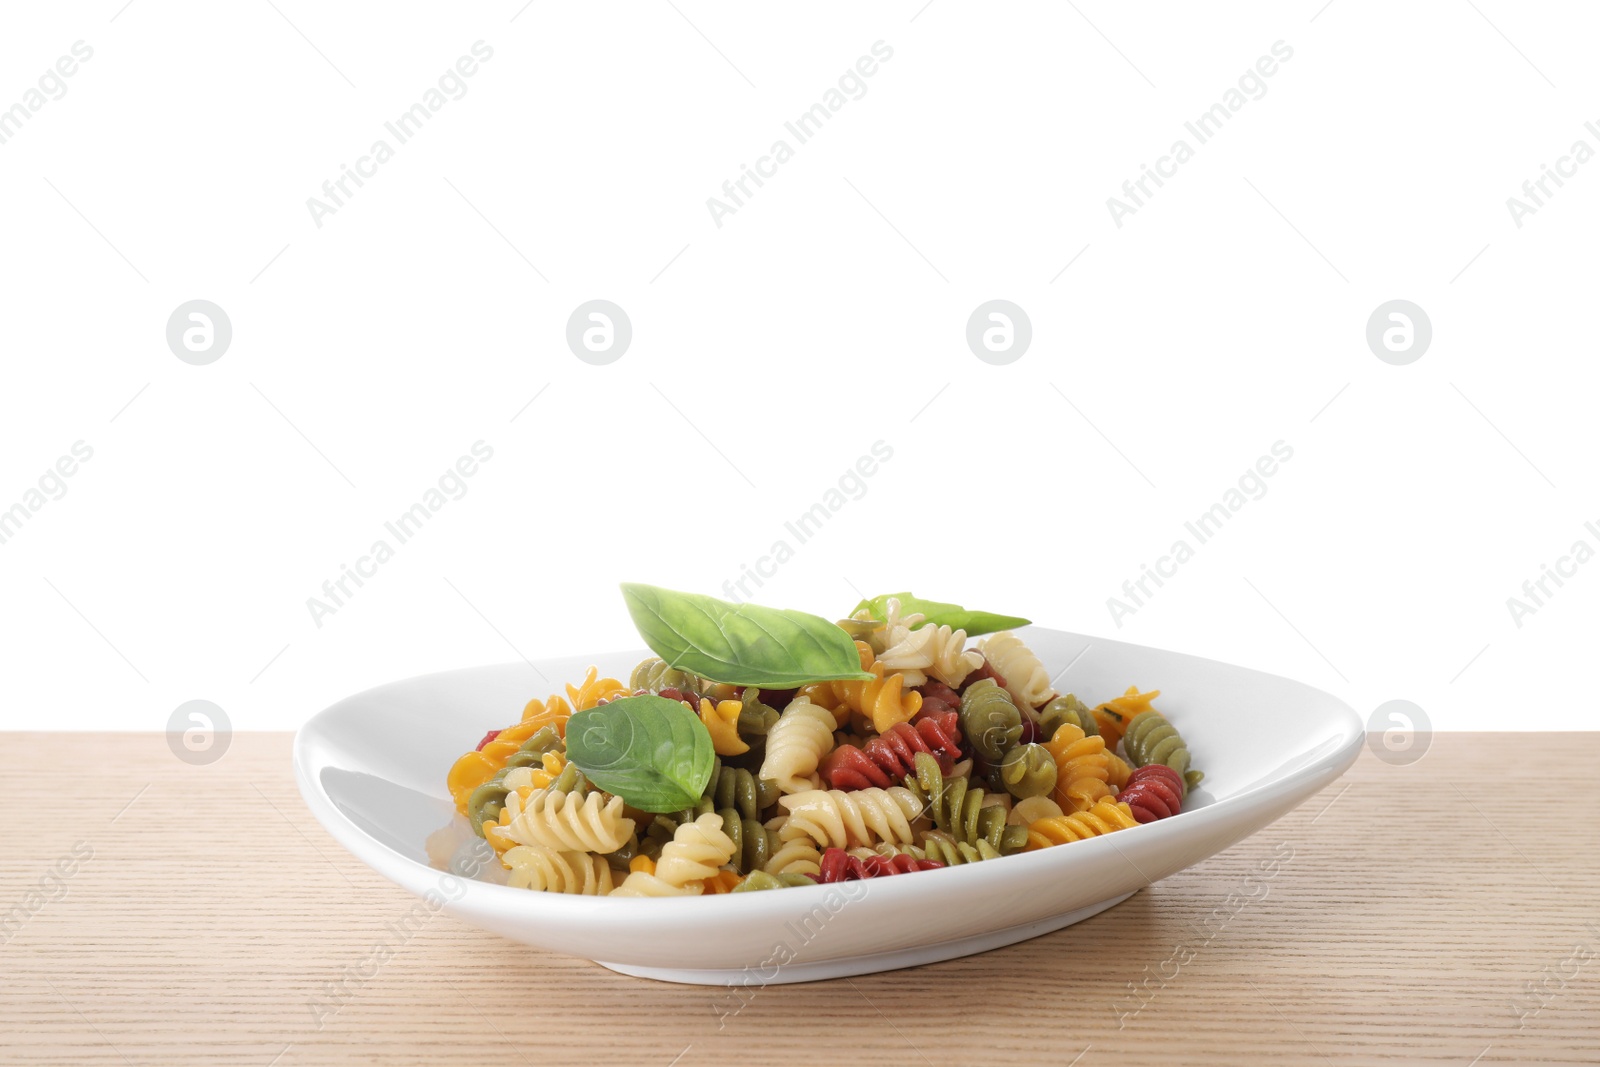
(950, 754)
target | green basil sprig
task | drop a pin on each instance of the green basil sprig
(741, 644)
(941, 614)
(652, 752)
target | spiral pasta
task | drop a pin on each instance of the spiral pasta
(653, 675)
(485, 802)
(799, 856)
(1105, 817)
(566, 821)
(1113, 716)
(1152, 739)
(1155, 791)
(721, 720)
(936, 651)
(883, 760)
(1028, 771)
(594, 690)
(694, 854)
(958, 809)
(836, 819)
(1082, 768)
(855, 778)
(555, 871)
(840, 866)
(1026, 679)
(885, 699)
(1066, 708)
(796, 745)
(990, 720)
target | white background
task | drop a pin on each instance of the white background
(768, 354)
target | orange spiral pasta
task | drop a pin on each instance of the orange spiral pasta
(1114, 715)
(476, 768)
(591, 691)
(721, 882)
(1082, 768)
(1105, 817)
(884, 700)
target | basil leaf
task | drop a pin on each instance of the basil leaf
(742, 644)
(941, 614)
(652, 752)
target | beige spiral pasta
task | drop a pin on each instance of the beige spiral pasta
(554, 871)
(799, 856)
(834, 818)
(796, 744)
(697, 851)
(566, 821)
(1026, 679)
(933, 650)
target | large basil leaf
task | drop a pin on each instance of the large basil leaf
(742, 644)
(652, 752)
(941, 614)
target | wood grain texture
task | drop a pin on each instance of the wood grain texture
(1410, 909)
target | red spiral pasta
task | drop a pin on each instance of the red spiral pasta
(886, 759)
(936, 696)
(839, 866)
(1153, 792)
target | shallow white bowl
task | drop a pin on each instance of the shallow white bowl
(372, 769)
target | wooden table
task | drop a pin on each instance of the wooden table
(1410, 911)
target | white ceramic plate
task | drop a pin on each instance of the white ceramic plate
(372, 769)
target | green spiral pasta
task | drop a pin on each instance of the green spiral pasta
(753, 844)
(958, 809)
(758, 880)
(487, 801)
(737, 788)
(1152, 739)
(1066, 709)
(654, 674)
(990, 720)
(1028, 771)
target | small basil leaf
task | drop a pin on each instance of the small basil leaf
(742, 644)
(652, 752)
(939, 613)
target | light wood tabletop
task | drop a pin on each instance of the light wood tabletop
(153, 912)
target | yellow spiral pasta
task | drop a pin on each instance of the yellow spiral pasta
(834, 818)
(696, 852)
(1026, 679)
(1117, 771)
(796, 744)
(476, 768)
(885, 700)
(1082, 768)
(555, 871)
(593, 689)
(1104, 818)
(1114, 715)
(566, 821)
(722, 722)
